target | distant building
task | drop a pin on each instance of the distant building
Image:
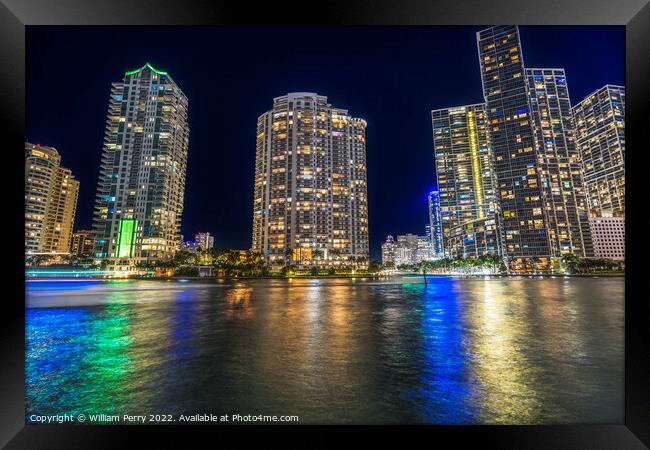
(388, 250)
(424, 251)
(608, 236)
(429, 235)
(50, 201)
(435, 225)
(406, 249)
(141, 186)
(404, 255)
(189, 246)
(600, 134)
(83, 243)
(204, 241)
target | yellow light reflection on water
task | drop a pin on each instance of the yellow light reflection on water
(507, 390)
(238, 303)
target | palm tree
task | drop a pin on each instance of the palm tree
(422, 266)
(459, 263)
(183, 258)
(258, 263)
(569, 262)
(38, 260)
(287, 269)
(144, 265)
(288, 254)
(535, 261)
(234, 262)
(363, 260)
(374, 266)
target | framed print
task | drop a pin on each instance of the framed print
(380, 218)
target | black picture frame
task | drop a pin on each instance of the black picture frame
(15, 15)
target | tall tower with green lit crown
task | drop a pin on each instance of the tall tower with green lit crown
(141, 185)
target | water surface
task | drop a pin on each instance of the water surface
(454, 351)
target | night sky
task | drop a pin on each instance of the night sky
(391, 76)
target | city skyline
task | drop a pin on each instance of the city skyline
(510, 171)
(418, 179)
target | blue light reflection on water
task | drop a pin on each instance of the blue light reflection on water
(77, 358)
(52, 359)
(330, 351)
(444, 381)
(183, 325)
(34, 286)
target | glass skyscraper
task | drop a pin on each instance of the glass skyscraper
(464, 168)
(565, 206)
(519, 190)
(435, 224)
(310, 200)
(600, 133)
(141, 184)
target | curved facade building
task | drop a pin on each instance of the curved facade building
(50, 201)
(310, 203)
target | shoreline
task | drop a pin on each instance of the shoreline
(330, 277)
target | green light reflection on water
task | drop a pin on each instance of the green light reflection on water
(107, 365)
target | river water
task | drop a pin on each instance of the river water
(331, 351)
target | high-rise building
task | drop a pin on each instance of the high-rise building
(435, 224)
(204, 241)
(141, 184)
(463, 165)
(600, 133)
(310, 201)
(388, 249)
(558, 163)
(608, 234)
(474, 238)
(83, 243)
(50, 201)
(519, 189)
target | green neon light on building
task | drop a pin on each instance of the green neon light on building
(154, 70)
(126, 238)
